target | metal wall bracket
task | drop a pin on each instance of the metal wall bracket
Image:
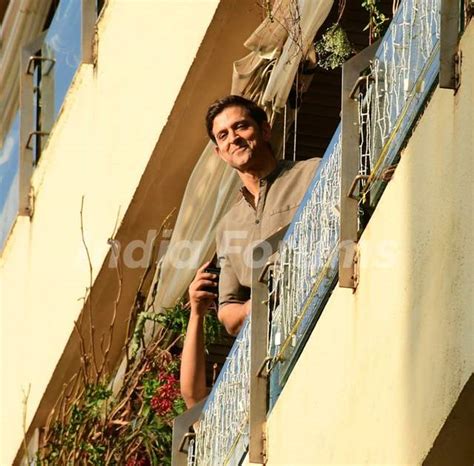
(30, 137)
(28, 55)
(356, 179)
(259, 334)
(356, 274)
(187, 437)
(38, 58)
(352, 78)
(450, 62)
(457, 69)
(263, 369)
(468, 11)
(361, 79)
(30, 208)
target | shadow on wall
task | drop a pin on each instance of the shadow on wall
(454, 443)
(439, 257)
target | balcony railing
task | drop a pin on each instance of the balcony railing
(389, 93)
(62, 47)
(49, 64)
(223, 428)
(394, 87)
(307, 265)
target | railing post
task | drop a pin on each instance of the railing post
(449, 68)
(259, 331)
(182, 428)
(351, 72)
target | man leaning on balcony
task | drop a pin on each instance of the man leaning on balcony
(270, 194)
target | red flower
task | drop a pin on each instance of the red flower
(161, 406)
(166, 394)
(137, 460)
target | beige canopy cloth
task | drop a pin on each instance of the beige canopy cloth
(265, 75)
(211, 190)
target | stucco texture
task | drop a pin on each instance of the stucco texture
(99, 148)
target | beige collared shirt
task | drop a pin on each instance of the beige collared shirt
(246, 225)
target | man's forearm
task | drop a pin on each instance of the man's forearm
(193, 367)
(233, 316)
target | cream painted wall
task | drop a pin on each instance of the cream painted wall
(384, 366)
(99, 148)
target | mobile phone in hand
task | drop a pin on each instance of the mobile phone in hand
(216, 271)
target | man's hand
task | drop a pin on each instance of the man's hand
(233, 315)
(200, 298)
(193, 362)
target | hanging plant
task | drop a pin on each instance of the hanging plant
(334, 48)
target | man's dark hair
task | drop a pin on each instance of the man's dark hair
(254, 111)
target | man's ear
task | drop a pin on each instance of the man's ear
(217, 151)
(266, 131)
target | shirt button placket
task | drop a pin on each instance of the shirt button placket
(261, 201)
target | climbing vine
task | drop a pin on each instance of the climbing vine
(377, 20)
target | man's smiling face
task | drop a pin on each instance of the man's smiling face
(240, 141)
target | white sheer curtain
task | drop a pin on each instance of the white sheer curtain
(210, 191)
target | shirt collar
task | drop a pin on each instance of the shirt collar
(269, 178)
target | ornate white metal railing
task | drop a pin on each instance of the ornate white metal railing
(223, 426)
(395, 86)
(405, 66)
(308, 262)
(191, 453)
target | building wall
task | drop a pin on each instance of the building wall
(385, 365)
(99, 149)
